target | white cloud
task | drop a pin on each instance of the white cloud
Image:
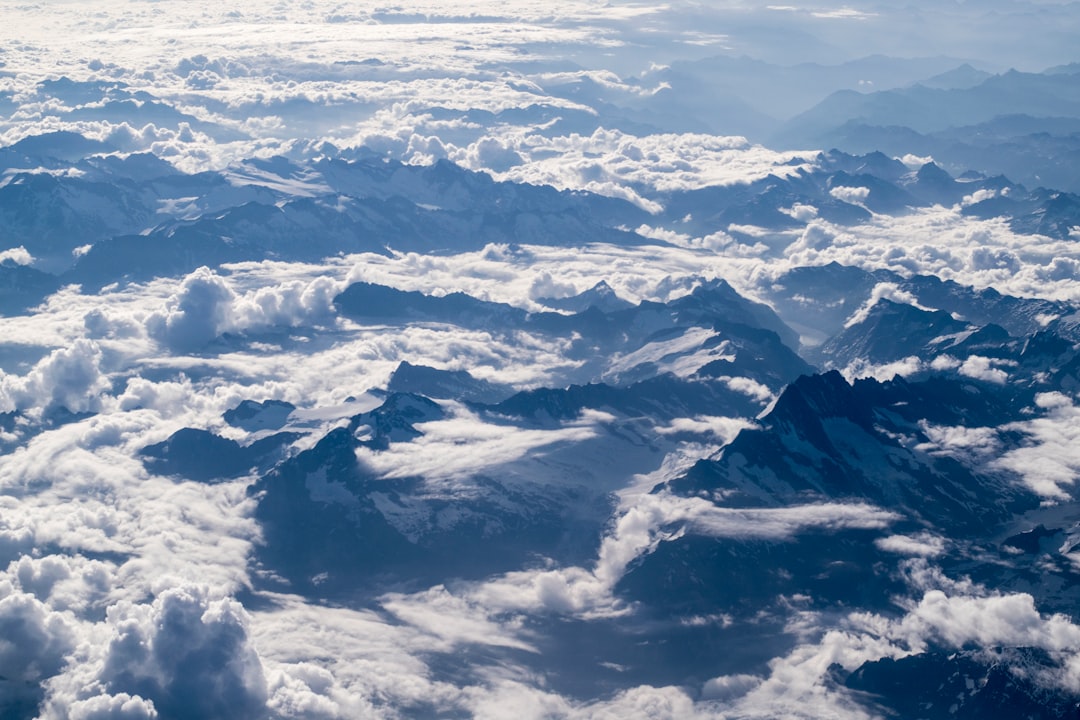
(914, 162)
(797, 686)
(724, 429)
(984, 368)
(978, 196)
(185, 653)
(65, 582)
(205, 306)
(660, 163)
(1050, 464)
(801, 212)
(17, 255)
(918, 545)
(974, 444)
(861, 368)
(1010, 620)
(112, 707)
(196, 314)
(882, 291)
(464, 446)
(67, 378)
(650, 520)
(852, 195)
(36, 644)
(980, 253)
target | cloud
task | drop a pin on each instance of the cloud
(36, 642)
(914, 162)
(205, 306)
(64, 582)
(112, 707)
(999, 620)
(801, 212)
(919, 545)
(861, 368)
(188, 654)
(80, 490)
(797, 685)
(451, 619)
(980, 253)
(17, 255)
(882, 291)
(68, 378)
(852, 195)
(748, 387)
(983, 368)
(994, 259)
(724, 429)
(649, 520)
(463, 446)
(662, 163)
(1050, 462)
(975, 445)
(196, 314)
(978, 196)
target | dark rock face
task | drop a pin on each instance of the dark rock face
(991, 683)
(203, 456)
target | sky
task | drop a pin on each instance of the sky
(129, 594)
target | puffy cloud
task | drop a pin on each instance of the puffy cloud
(67, 378)
(545, 286)
(981, 253)
(1060, 269)
(36, 642)
(1008, 620)
(190, 655)
(647, 702)
(801, 212)
(196, 314)
(796, 685)
(82, 488)
(663, 163)
(973, 444)
(493, 154)
(65, 582)
(861, 368)
(17, 255)
(287, 305)
(205, 306)
(960, 616)
(994, 259)
(984, 368)
(78, 489)
(914, 162)
(816, 236)
(112, 707)
(852, 195)
(978, 196)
